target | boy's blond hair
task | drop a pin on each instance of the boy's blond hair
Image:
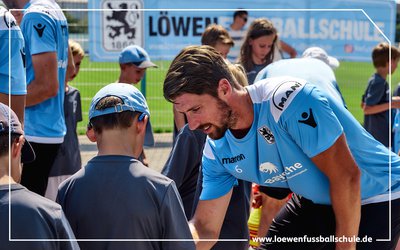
(76, 48)
(239, 73)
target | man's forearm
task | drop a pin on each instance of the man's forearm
(38, 93)
(200, 245)
(346, 204)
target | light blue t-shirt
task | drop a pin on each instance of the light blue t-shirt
(12, 55)
(45, 29)
(293, 122)
(310, 69)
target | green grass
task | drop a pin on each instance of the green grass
(352, 78)
(93, 76)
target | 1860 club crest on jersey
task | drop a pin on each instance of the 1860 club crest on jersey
(122, 24)
(267, 134)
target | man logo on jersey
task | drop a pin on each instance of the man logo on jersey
(308, 119)
(39, 29)
(268, 167)
(267, 134)
(284, 92)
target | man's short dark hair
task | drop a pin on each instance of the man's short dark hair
(197, 70)
(240, 13)
(115, 120)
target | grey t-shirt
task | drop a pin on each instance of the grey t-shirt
(117, 197)
(32, 217)
(68, 160)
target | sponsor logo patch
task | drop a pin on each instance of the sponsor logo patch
(308, 119)
(266, 133)
(288, 173)
(39, 29)
(234, 159)
(268, 167)
(284, 93)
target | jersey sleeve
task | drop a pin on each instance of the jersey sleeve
(311, 122)
(217, 181)
(39, 33)
(11, 57)
(174, 223)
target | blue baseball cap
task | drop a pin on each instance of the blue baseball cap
(136, 55)
(131, 97)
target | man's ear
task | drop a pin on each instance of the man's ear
(224, 89)
(91, 135)
(17, 146)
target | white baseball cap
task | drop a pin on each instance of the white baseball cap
(319, 53)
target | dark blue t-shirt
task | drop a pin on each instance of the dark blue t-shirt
(32, 217)
(377, 125)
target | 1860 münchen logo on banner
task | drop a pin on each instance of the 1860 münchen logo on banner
(122, 24)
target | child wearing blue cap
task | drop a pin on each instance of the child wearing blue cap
(116, 189)
(133, 62)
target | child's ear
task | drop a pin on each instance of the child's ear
(141, 125)
(90, 134)
(17, 147)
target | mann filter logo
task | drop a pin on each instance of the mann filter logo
(268, 167)
(285, 93)
(234, 159)
(267, 134)
(289, 172)
(122, 24)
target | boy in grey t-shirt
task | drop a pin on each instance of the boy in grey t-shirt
(116, 198)
(30, 220)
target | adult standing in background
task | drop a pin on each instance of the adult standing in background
(12, 65)
(237, 32)
(45, 30)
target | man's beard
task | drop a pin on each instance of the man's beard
(228, 119)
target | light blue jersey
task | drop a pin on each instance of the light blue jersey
(310, 69)
(12, 56)
(293, 122)
(45, 29)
